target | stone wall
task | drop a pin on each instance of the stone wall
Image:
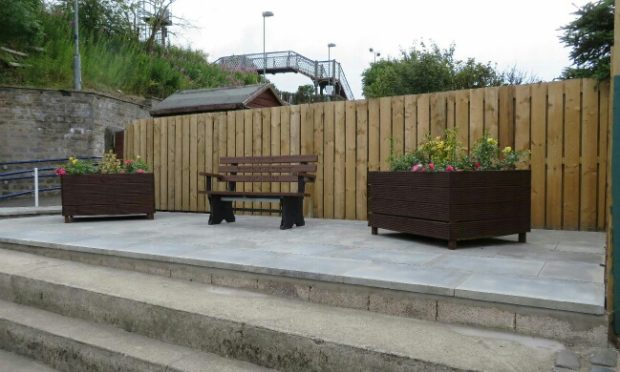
(47, 124)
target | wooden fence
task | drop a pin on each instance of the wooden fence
(564, 125)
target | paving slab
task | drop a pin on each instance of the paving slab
(575, 296)
(538, 273)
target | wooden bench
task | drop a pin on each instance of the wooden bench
(272, 169)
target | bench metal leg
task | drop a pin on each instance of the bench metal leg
(292, 212)
(220, 210)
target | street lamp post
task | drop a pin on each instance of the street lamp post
(77, 68)
(329, 58)
(265, 15)
(375, 54)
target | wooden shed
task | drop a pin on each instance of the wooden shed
(218, 99)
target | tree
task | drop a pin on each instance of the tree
(20, 22)
(425, 69)
(590, 37)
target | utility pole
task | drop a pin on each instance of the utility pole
(77, 68)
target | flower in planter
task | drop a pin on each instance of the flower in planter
(109, 165)
(447, 154)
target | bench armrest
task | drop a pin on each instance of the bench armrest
(307, 177)
(208, 174)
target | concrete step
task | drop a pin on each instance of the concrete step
(76, 345)
(569, 327)
(266, 330)
(11, 362)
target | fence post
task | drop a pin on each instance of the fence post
(36, 187)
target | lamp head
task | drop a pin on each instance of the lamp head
(267, 14)
(331, 45)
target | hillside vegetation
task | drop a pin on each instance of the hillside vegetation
(113, 58)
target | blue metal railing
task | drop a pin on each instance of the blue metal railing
(33, 174)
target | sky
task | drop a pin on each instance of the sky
(509, 33)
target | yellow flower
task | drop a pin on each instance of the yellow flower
(138, 157)
(507, 150)
(491, 141)
(74, 161)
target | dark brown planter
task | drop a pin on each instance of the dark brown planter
(107, 194)
(451, 205)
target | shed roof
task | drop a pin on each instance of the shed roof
(214, 99)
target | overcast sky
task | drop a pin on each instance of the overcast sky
(508, 32)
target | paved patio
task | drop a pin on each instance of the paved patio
(559, 270)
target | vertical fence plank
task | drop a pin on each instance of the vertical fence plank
(266, 148)
(295, 137)
(193, 163)
(178, 164)
(239, 146)
(185, 163)
(424, 117)
(276, 130)
(220, 140)
(362, 160)
(163, 175)
(203, 145)
(461, 117)
(143, 133)
(491, 111)
(150, 128)
(136, 140)
(385, 131)
(506, 116)
(339, 159)
(373, 134)
(318, 148)
(285, 138)
(411, 138)
(451, 110)
(157, 160)
(248, 141)
(231, 141)
(172, 125)
(603, 154)
(438, 114)
(307, 148)
(350, 160)
(476, 115)
(398, 124)
(554, 155)
(572, 128)
(522, 118)
(328, 158)
(257, 147)
(209, 155)
(538, 152)
(589, 139)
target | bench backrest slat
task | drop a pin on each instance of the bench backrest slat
(269, 168)
(260, 178)
(269, 159)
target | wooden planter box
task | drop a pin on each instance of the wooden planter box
(107, 194)
(451, 205)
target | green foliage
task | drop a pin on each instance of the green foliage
(113, 60)
(445, 153)
(590, 37)
(20, 22)
(425, 69)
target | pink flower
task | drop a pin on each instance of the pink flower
(477, 165)
(450, 168)
(140, 171)
(128, 161)
(431, 166)
(61, 172)
(417, 168)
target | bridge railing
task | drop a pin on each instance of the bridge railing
(315, 70)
